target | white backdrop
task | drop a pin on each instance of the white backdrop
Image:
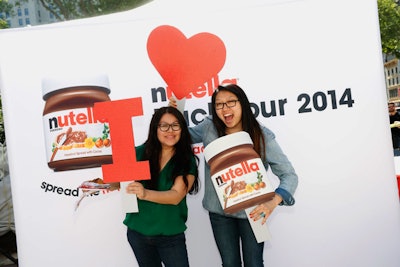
(347, 206)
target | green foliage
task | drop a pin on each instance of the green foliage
(5, 6)
(3, 24)
(389, 23)
(75, 9)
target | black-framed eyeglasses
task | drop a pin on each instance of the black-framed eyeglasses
(229, 104)
(164, 127)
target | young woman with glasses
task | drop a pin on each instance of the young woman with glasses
(233, 234)
(156, 232)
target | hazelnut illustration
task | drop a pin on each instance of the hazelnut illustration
(99, 143)
(107, 142)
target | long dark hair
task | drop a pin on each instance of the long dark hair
(249, 122)
(183, 151)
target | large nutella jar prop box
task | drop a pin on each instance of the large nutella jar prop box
(237, 172)
(74, 137)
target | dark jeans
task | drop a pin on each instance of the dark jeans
(150, 251)
(228, 232)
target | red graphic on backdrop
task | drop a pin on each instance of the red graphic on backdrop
(185, 63)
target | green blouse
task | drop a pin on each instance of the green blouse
(159, 219)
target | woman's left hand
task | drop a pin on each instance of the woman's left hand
(263, 210)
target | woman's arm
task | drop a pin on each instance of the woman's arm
(173, 196)
(282, 168)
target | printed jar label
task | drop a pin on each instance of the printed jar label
(75, 133)
(241, 182)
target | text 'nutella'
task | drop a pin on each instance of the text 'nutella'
(237, 172)
(74, 137)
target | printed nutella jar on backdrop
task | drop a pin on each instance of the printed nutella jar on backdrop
(74, 137)
(237, 172)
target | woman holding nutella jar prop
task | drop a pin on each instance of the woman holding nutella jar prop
(156, 232)
(232, 114)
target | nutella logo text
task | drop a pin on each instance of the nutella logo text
(74, 118)
(236, 171)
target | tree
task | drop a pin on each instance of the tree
(8, 8)
(75, 9)
(389, 23)
(3, 24)
(5, 7)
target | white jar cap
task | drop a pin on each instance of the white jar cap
(67, 80)
(225, 142)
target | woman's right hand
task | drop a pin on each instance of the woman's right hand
(136, 188)
(172, 102)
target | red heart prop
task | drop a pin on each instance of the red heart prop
(185, 64)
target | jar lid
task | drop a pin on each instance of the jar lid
(225, 142)
(58, 82)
